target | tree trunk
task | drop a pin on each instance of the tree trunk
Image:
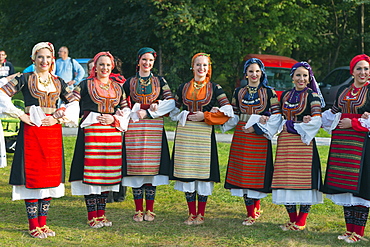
(361, 27)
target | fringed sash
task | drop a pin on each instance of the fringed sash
(103, 155)
(247, 160)
(293, 163)
(144, 146)
(344, 164)
(43, 156)
(192, 156)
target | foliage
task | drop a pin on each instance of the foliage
(324, 32)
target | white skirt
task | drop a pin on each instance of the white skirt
(20, 192)
(138, 181)
(78, 188)
(202, 188)
(294, 197)
(250, 193)
(347, 199)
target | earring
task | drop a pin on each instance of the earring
(293, 82)
(246, 77)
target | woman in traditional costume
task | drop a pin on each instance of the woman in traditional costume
(249, 171)
(97, 162)
(37, 172)
(347, 175)
(195, 162)
(146, 156)
(297, 173)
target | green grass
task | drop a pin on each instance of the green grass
(222, 227)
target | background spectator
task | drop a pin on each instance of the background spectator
(6, 67)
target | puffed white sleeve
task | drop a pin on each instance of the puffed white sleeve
(164, 107)
(330, 120)
(365, 123)
(72, 114)
(123, 116)
(308, 131)
(272, 126)
(7, 107)
(227, 110)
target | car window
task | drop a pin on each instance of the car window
(279, 78)
(342, 76)
(84, 65)
(337, 77)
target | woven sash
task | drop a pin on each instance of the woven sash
(247, 160)
(144, 146)
(43, 156)
(103, 155)
(192, 156)
(344, 164)
(293, 163)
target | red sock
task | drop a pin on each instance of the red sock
(139, 204)
(360, 230)
(293, 217)
(350, 227)
(33, 223)
(192, 206)
(149, 205)
(257, 204)
(301, 219)
(251, 212)
(100, 213)
(43, 212)
(101, 203)
(31, 208)
(201, 207)
(92, 214)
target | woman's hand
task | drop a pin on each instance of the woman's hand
(142, 113)
(345, 123)
(198, 116)
(264, 119)
(11, 77)
(48, 121)
(153, 107)
(365, 115)
(59, 113)
(105, 119)
(248, 130)
(307, 119)
(215, 109)
(26, 119)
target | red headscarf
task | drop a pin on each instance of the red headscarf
(97, 56)
(209, 73)
(357, 59)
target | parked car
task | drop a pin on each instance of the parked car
(83, 62)
(277, 71)
(331, 83)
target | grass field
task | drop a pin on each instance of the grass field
(222, 227)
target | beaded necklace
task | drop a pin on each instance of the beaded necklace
(145, 82)
(104, 86)
(251, 92)
(199, 84)
(45, 82)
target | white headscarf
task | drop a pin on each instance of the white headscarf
(40, 46)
